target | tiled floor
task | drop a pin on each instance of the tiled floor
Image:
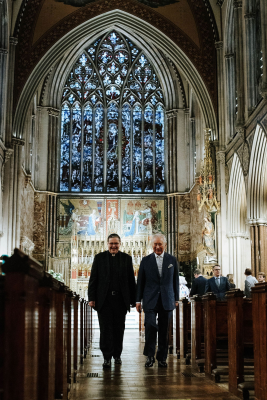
(132, 380)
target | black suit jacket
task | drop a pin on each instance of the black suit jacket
(198, 286)
(219, 291)
(100, 278)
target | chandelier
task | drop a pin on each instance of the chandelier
(206, 195)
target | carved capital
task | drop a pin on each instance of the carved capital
(3, 51)
(228, 56)
(28, 178)
(219, 45)
(8, 154)
(220, 157)
(186, 110)
(240, 132)
(238, 3)
(17, 141)
(53, 111)
(13, 41)
(172, 113)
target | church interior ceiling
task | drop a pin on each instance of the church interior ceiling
(188, 23)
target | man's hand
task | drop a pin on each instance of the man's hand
(92, 304)
(138, 307)
(176, 303)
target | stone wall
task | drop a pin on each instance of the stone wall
(26, 214)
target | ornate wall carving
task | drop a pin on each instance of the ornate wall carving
(184, 220)
(27, 207)
(39, 226)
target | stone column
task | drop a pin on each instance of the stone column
(221, 103)
(173, 225)
(230, 94)
(3, 91)
(221, 217)
(187, 148)
(192, 161)
(239, 70)
(172, 155)
(263, 11)
(10, 87)
(53, 146)
(250, 59)
(51, 222)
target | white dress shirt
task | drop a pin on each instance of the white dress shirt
(159, 261)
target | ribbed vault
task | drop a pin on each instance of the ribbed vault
(64, 52)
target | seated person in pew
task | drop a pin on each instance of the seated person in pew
(261, 277)
(231, 281)
(249, 282)
(199, 284)
(218, 284)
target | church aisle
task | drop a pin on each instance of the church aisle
(132, 380)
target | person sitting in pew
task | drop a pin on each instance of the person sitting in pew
(261, 277)
(249, 282)
(218, 284)
(231, 281)
(199, 284)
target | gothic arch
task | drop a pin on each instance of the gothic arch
(257, 179)
(137, 30)
(239, 249)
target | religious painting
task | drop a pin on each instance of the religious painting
(81, 217)
(112, 217)
(150, 3)
(142, 218)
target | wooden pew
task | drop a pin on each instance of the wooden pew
(42, 342)
(197, 330)
(215, 332)
(184, 327)
(21, 327)
(259, 313)
(240, 339)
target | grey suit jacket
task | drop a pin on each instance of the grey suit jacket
(249, 283)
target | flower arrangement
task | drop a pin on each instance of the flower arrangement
(56, 275)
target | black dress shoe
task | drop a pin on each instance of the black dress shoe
(162, 364)
(117, 360)
(149, 361)
(106, 364)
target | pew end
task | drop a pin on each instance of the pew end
(244, 388)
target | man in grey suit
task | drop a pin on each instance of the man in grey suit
(111, 292)
(158, 288)
(218, 284)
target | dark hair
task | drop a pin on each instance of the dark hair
(197, 272)
(248, 271)
(216, 265)
(114, 235)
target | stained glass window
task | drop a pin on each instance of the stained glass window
(112, 121)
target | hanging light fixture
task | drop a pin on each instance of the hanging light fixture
(206, 195)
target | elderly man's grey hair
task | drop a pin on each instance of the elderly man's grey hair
(159, 236)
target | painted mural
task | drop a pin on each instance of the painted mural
(95, 219)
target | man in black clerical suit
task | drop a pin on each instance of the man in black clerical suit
(198, 284)
(158, 289)
(111, 292)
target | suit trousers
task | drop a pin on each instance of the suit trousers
(151, 329)
(112, 325)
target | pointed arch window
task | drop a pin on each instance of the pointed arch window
(112, 121)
